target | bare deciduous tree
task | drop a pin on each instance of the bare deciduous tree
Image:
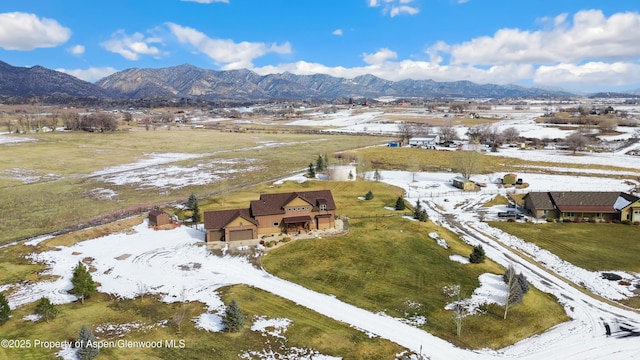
(460, 309)
(467, 162)
(607, 125)
(405, 130)
(448, 132)
(510, 134)
(576, 141)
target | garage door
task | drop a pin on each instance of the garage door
(241, 235)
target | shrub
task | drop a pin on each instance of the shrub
(626, 222)
(270, 243)
(285, 239)
(624, 283)
(369, 195)
(477, 256)
(400, 205)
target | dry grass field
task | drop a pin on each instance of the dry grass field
(62, 179)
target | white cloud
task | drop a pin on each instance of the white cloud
(77, 50)
(400, 10)
(563, 53)
(600, 73)
(207, 1)
(91, 74)
(379, 57)
(395, 7)
(131, 47)
(409, 69)
(591, 35)
(22, 31)
(337, 32)
(226, 52)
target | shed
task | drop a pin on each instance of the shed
(159, 218)
(509, 179)
(463, 183)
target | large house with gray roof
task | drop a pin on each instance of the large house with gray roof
(583, 205)
(288, 213)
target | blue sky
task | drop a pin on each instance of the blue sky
(574, 44)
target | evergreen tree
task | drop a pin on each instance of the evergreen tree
(369, 195)
(419, 213)
(5, 310)
(88, 348)
(477, 256)
(312, 171)
(46, 309)
(83, 284)
(192, 202)
(400, 205)
(196, 217)
(233, 317)
(320, 165)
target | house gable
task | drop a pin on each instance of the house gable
(298, 204)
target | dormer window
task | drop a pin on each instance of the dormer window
(323, 207)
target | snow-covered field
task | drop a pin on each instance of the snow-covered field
(176, 265)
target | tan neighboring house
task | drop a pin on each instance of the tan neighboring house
(289, 213)
(583, 205)
(159, 218)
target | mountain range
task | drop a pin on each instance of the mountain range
(191, 82)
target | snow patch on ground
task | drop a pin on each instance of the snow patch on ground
(32, 317)
(459, 258)
(273, 327)
(209, 322)
(492, 290)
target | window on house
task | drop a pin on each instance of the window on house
(323, 207)
(275, 223)
(569, 214)
(598, 215)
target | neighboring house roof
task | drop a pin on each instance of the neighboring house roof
(220, 218)
(156, 213)
(426, 138)
(271, 204)
(581, 201)
(540, 200)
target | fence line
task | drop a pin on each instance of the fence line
(413, 194)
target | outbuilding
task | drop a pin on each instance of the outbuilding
(159, 218)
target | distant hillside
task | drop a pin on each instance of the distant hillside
(40, 81)
(614, 95)
(189, 81)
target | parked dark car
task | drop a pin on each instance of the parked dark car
(510, 214)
